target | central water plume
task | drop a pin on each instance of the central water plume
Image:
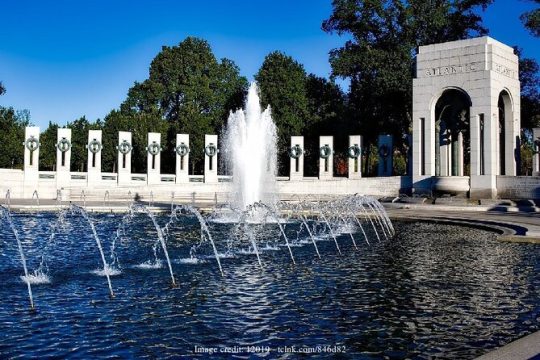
(251, 153)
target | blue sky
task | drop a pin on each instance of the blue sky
(63, 59)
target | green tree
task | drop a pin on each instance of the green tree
(379, 57)
(79, 138)
(139, 124)
(2, 89)
(47, 150)
(282, 83)
(327, 116)
(12, 124)
(531, 20)
(529, 76)
(190, 89)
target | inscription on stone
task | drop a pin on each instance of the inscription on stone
(453, 69)
(501, 69)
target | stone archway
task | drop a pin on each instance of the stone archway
(505, 139)
(465, 115)
(452, 133)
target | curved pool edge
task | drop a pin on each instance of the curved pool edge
(527, 347)
(518, 227)
(513, 227)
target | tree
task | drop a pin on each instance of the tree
(139, 124)
(529, 76)
(190, 89)
(47, 149)
(327, 116)
(531, 20)
(282, 83)
(12, 124)
(79, 138)
(379, 58)
(2, 89)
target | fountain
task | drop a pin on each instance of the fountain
(251, 153)
(6, 215)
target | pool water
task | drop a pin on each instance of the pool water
(432, 291)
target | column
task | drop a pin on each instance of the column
(31, 160)
(536, 154)
(94, 146)
(153, 163)
(460, 154)
(326, 157)
(210, 158)
(63, 158)
(182, 158)
(124, 157)
(354, 154)
(386, 155)
(296, 153)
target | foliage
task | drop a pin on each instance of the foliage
(139, 124)
(282, 83)
(2, 89)
(526, 153)
(531, 20)
(190, 89)
(79, 139)
(529, 76)
(12, 124)
(327, 116)
(47, 150)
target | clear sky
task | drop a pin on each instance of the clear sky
(63, 59)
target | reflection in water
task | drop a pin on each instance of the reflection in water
(432, 291)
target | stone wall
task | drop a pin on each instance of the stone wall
(518, 187)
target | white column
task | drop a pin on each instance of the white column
(63, 158)
(355, 156)
(386, 150)
(95, 147)
(124, 157)
(326, 157)
(210, 158)
(445, 156)
(296, 154)
(475, 118)
(31, 160)
(153, 163)
(182, 158)
(536, 154)
(460, 158)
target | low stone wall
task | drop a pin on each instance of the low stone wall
(195, 189)
(518, 187)
(376, 186)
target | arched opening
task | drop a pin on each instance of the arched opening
(452, 134)
(505, 122)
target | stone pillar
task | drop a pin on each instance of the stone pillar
(182, 158)
(95, 147)
(326, 157)
(536, 156)
(460, 153)
(210, 158)
(63, 158)
(124, 157)
(484, 182)
(354, 154)
(153, 163)
(386, 151)
(296, 154)
(409, 155)
(31, 160)
(445, 154)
